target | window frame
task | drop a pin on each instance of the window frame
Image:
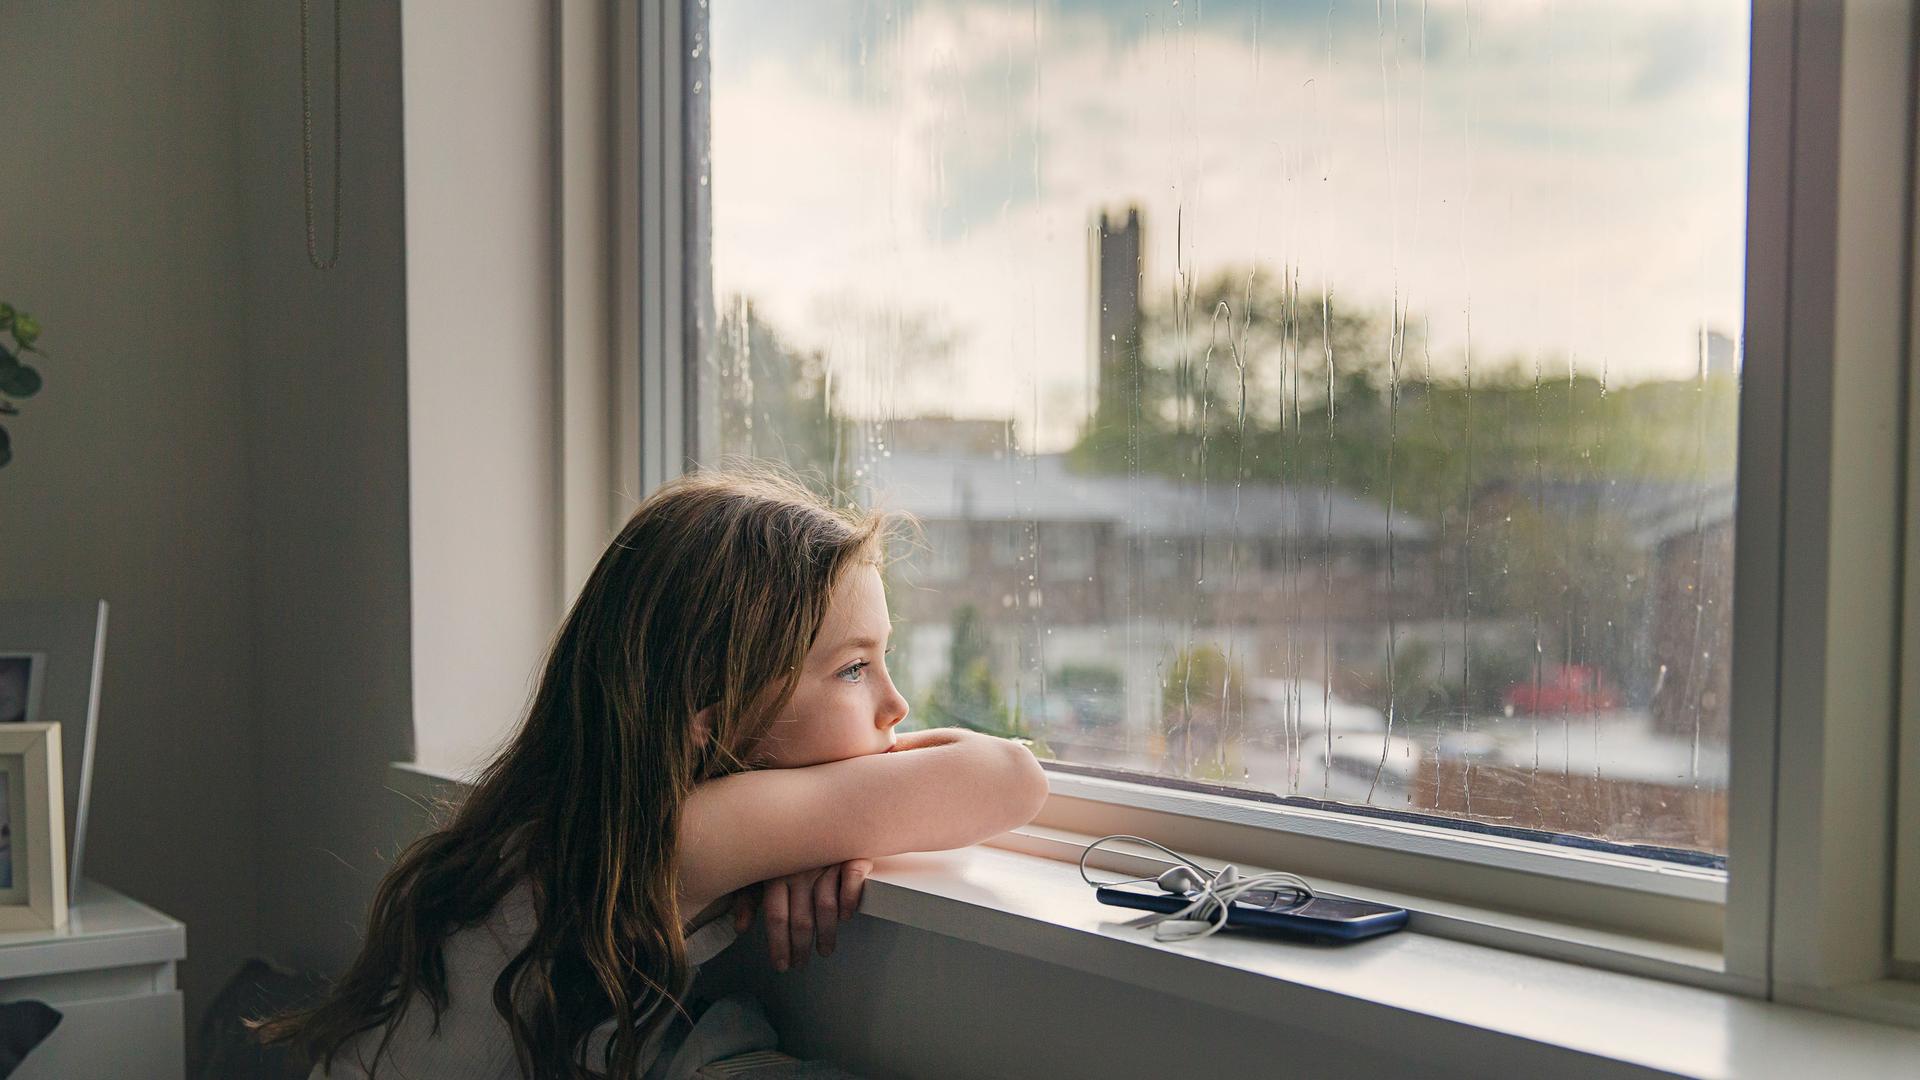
(1817, 920)
(1906, 892)
(1830, 117)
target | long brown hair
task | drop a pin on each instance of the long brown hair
(711, 596)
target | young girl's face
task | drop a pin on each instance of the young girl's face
(844, 704)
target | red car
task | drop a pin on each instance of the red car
(1562, 688)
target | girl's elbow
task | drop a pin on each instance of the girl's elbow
(1029, 787)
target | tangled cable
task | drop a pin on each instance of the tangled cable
(1211, 891)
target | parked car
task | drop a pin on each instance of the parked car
(1304, 707)
(1303, 740)
(1562, 688)
(1371, 771)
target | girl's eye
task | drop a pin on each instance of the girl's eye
(851, 672)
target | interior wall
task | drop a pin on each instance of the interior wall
(326, 425)
(401, 423)
(484, 463)
(119, 230)
(228, 438)
(897, 1003)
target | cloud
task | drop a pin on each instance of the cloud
(950, 158)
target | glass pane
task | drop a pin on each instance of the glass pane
(1332, 401)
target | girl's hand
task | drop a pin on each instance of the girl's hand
(804, 910)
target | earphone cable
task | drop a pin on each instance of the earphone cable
(1205, 874)
(1207, 914)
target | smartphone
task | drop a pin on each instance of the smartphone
(1325, 916)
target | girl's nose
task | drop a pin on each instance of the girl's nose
(893, 708)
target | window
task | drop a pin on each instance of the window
(1010, 546)
(1906, 826)
(1458, 338)
(1321, 320)
(1071, 547)
(944, 559)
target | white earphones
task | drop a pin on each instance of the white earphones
(1211, 891)
(1178, 879)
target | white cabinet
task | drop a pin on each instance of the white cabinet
(110, 973)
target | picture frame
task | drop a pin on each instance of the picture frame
(23, 684)
(33, 847)
(65, 641)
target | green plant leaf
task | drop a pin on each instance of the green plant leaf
(19, 380)
(6, 448)
(6, 315)
(26, 329)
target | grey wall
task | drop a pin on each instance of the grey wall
(897, 1002)
(326, 436)
(220, 451)
(119, 229)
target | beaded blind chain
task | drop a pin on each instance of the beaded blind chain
(306, 136)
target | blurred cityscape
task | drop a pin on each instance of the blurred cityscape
(1506, 602)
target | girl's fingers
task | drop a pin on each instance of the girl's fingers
(826, 907)
(774, 912)
(800, 916)
(853, 879)
(803, 911)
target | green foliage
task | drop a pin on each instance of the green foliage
(1203, 709)
(1531, 564)
(1416, 689)
(775, 401)
(1491, 671)
(1098, 693)
(970, 696)
(1200, 679)
(18, 380)
(1353, 398)
(1249, 381)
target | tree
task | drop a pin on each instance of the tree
(774, 400)
(1098, 693)
(1203, 711)
(969, 696)
(1248, 378)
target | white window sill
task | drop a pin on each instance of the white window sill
(1039, 907)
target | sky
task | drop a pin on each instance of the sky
(1558, 182)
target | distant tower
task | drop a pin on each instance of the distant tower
(1116, 317)
(1719, 354)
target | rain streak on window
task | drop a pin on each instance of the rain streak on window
(1325, 401)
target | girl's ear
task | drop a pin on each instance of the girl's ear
(703, 726)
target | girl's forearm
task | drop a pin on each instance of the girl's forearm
(921, 740)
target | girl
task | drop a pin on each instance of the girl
(715, 713)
